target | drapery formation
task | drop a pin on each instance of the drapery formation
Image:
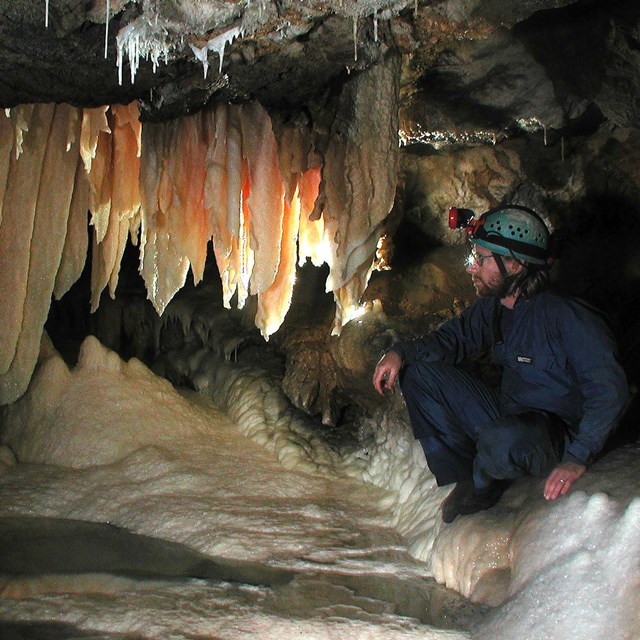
(267, 203)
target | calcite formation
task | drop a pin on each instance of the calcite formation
(219, 175)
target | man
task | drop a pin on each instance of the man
(562, 390)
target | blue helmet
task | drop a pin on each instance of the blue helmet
(515, 231)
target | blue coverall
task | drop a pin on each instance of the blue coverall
(561, 395)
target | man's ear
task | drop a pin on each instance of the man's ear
(514, 267)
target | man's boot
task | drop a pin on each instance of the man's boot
(465, 499)
(453, 502)
(481, 499)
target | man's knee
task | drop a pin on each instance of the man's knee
(513, 446)
(422, 378)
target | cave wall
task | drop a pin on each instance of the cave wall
(587, 188)
(534, 103)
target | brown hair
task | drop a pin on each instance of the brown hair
(528, 282)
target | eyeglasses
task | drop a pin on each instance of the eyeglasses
(477, 258)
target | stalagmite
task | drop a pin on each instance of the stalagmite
(19, 209)
(45, 247)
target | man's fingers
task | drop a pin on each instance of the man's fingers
(386, 372)
(379, 377)
(566, 485)
(552, 488)
(390, 380)
(561, 480)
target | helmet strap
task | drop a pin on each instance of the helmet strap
(511, 281)
(500, 263)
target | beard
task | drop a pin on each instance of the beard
(493, 286)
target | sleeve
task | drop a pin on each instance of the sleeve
(592, 355)
(461, 336)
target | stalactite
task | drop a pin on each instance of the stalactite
(359, 177)
(217, 45)
(19, 209)
(260, 192)
(95, 149)
(52, 154)
(355, 38)
(101, 182)
(265, 200)
(245, 257)
(223, 195)
(6, 146)
(274, 303)
(74, 254)
(121, 186)
(106, 28)
(20, 118)
(312, 241)
(347, 297)
(163, 265)
(188, 172)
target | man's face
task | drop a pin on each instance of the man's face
(485, 273)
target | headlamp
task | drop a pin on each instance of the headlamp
(464, 219)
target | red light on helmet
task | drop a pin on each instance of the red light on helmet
(464, 219)
(475, 225)
(459, 218)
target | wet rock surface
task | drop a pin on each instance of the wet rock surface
(473, 69)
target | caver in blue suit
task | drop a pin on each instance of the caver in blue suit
(562, 390)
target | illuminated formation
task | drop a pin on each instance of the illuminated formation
(218, 175)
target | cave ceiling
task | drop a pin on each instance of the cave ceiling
(475, 69)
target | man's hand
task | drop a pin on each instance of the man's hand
(561, 478)
(386, 372)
